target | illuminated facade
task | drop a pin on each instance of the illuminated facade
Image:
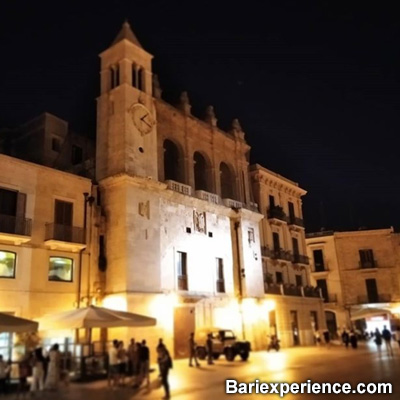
(169, 228)
(357, 271)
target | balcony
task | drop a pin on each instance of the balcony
(65, 237)
(380, 298)
(311, 291)
(295, 222)
(291, 290)
(266, 252)
(182, 282)
(272, 288)
(179, 187)
(15, 230)
(276, 214)
(210, 197)
(282, 255)
(220, 286)
(232, 203)
(368, 264)
(300, 259)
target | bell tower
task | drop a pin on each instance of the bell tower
(126, 119)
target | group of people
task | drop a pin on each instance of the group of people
(45, 371)
(386, 337)
(134, 362)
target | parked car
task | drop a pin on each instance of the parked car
(224, 342)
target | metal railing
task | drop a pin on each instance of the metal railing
(300, 259)
(292, 290)
(220, 286)
(276, 213)
(266, 251)
(311, 291)
(65, 233)
(380, 298)
(182, 282)
(296, 221)
(280, 254)
(15, 225)
(272, 288)
(368, 264)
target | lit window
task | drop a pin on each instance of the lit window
(60, 269)
(7, 264)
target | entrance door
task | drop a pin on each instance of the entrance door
(295, 328)
(331, 324)
(184, 324)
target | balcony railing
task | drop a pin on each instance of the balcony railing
(232, 203)
(179, 187)
(182, 282)
(15, 225)
(272, 288)
(296, 221)
(368, 264)
(280, 254)
(291, 290)
(380, 298)
(220, 286)
(300, 259)
(65, 233)
(210, 197)
(276, 213)
(311, 291)
(320, 268)
(266, 251)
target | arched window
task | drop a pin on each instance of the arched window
(228, 186)
(202, 171)
(114, 76)
(172, 162)
(140, 82)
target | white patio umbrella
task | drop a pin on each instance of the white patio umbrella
(93, 317)
(11, 324)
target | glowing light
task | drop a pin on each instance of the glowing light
(2, 255)
(268, 305)
(250, 310)
(162, 308)
(117, 303)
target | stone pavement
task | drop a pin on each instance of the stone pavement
(336, 364)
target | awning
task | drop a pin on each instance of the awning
(11, 324)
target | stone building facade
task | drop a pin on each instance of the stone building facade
(359, 275)
(171, 226)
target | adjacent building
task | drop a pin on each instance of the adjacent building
(359, 275)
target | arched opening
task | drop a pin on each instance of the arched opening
(140, 81)
(114, 76)
(228, 187)
(172, 162)
(201, 173)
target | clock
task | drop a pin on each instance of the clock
(142, 118)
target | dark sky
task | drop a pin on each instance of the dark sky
(315, 84)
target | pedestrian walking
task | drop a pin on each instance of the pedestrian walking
(4, 371)
(345, 338)
(387, 338)
(113, 365)
(144, 357)
(165, 363)
(378, 339)
(38, 367)
(209, 344)
(353, 339)
(159, 347)
(327, 338)
(54, 368)
(192, 351)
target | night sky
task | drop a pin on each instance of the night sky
(315, 84)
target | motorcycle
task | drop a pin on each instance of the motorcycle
(274, 343)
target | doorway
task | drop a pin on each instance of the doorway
(295, 328)
(331, 323)
(184, 324)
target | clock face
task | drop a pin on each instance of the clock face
(142, 118)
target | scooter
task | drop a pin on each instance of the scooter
(274, 343)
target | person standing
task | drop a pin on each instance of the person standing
(113, 365)
(54, 370)
(192, 351)
(387, 337)
(131, 357)
(123, 362)
(38, 366)
(327, 338)
(165, 363)
(378, 339)
(144, 357)
(209, 345)
(345, 338)
(353, 339)
(4, 370)
(159, 347)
